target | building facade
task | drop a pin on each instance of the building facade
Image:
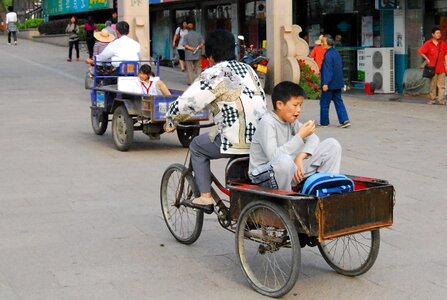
(241, 17)
(400, 24)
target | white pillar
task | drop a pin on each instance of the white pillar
(279, 14)
(136, 13)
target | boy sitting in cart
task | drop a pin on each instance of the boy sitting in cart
(284, 151)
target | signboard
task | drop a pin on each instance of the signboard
(162, 1)
(386, 4)
(64, 7)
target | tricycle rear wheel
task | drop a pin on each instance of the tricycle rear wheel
(184, 223)
(100, 120)
(353, 254)
(122, 128)
(185, 135)
(268, 248)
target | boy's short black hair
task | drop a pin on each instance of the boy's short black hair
(122, 27)
(220, 45)
(285, 90)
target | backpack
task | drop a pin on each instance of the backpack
(325, 184)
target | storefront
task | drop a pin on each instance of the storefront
(240, 17)
(356, 24)
(403, 25)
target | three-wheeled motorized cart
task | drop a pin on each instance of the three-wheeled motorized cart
(132, 110)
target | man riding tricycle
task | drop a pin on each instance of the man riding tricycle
(285, 195)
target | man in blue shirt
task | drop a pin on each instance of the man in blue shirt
(331, 84)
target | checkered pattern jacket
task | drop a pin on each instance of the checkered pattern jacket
(232, 93)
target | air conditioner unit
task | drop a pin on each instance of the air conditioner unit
(379, 69)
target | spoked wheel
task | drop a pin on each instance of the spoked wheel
(122, 128)
(353, 254)
(183, 222)
(268, 248)
(100, 120)
(185, 135)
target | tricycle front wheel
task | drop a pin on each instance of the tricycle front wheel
(122, 128)
(184, 223)
(100, 120)
(353, 254)
(268, 248)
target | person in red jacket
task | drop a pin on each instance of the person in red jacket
(434, 52)
(318, 52)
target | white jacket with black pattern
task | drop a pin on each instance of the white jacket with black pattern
(232, 93)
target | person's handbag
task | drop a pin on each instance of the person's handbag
(176, 40)
(177, 37)
(428, 72)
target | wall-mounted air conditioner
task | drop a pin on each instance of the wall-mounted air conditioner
(379, 69)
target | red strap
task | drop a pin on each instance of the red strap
(144, 86)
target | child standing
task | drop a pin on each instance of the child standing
(284, 151)
(150, 84)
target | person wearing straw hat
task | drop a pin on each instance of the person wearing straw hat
(318, 52)
(103, 38)
(123, 48)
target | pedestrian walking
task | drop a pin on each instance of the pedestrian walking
(193, 43)
(89, 28)
(331, 84)
(177, 42)
(434, 52)
(11, 25)
(73, 37)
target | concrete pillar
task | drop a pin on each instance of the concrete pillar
(136, 13)
(279, 14)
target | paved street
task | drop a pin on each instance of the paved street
(81, 220)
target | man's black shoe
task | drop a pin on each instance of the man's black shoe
(208, 208)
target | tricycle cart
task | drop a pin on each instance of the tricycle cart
(133, 111)
(271, 226)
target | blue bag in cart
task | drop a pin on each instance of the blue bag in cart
(325, 184)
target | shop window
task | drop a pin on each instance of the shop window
(218, 17)
(254, 24)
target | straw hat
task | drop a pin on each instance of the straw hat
(104, 36)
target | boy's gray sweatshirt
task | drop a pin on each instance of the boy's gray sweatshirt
(273, 137)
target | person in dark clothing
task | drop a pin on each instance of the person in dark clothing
(114, 18)
(331, 84)
(89, 28)
(73, 37)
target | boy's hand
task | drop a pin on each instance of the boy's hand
(307, 129)
(299, 174)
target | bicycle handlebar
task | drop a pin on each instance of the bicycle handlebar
(195, 125)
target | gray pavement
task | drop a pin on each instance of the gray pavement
(81, 220)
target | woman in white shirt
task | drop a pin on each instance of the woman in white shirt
(151, 85)
(180, 33)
